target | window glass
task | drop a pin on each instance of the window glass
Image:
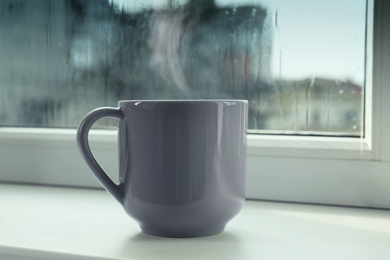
(301, 64)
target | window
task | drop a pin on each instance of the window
(318, 169)
(60, 59)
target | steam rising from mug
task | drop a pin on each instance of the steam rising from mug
(166, 37)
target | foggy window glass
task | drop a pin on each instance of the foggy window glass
(300, 64)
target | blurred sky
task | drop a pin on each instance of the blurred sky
(313, 38)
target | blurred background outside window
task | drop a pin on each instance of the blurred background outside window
(300, 64)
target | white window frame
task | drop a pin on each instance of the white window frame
(323, 170)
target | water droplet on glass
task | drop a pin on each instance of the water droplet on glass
(254, 11)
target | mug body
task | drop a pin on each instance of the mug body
(182, 164)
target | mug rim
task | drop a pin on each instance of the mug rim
(181, 100)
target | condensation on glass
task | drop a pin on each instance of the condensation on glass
(300, 63)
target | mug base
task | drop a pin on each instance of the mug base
(183, 233)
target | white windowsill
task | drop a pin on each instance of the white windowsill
(65, 223)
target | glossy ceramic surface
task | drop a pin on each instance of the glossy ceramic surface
(182, 163)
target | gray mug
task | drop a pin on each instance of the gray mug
(181, 163)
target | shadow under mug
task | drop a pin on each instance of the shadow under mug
(181, 163)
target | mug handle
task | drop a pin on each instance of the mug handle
(83, 144)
